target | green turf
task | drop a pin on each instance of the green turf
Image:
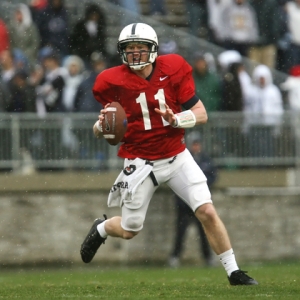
(276, 281)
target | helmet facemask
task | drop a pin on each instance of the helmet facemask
(138, 61)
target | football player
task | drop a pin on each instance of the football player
(158, 96)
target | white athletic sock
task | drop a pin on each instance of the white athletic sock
(101, 230)
(228, 261)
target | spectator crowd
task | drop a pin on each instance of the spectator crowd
(42, 58)
(45, 65)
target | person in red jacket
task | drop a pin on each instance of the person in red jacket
(4, 36)
(153, 90)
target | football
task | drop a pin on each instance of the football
(115, 123)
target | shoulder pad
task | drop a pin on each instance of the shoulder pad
(114, 75)
(171, 63)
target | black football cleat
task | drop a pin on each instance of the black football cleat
(240, 277)
(92, 242)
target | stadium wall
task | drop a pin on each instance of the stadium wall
(44, 218)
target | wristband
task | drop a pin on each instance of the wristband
(99, 126)
(185, 119)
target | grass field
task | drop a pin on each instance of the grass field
(276, 281)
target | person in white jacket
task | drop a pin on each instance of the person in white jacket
(239, 26)
(263, 110)
(74, 67)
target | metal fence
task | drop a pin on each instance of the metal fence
(63, 141)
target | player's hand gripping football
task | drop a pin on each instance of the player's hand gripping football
(168, 115)
(103, 111)
(98, 127)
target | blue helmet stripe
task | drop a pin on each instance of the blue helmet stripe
(133, 28)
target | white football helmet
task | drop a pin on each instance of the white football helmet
(138, 32)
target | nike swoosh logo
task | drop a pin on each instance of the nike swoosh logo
(163, 78)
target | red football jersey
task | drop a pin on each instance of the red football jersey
(148, 135)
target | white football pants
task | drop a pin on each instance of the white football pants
(182, 174)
